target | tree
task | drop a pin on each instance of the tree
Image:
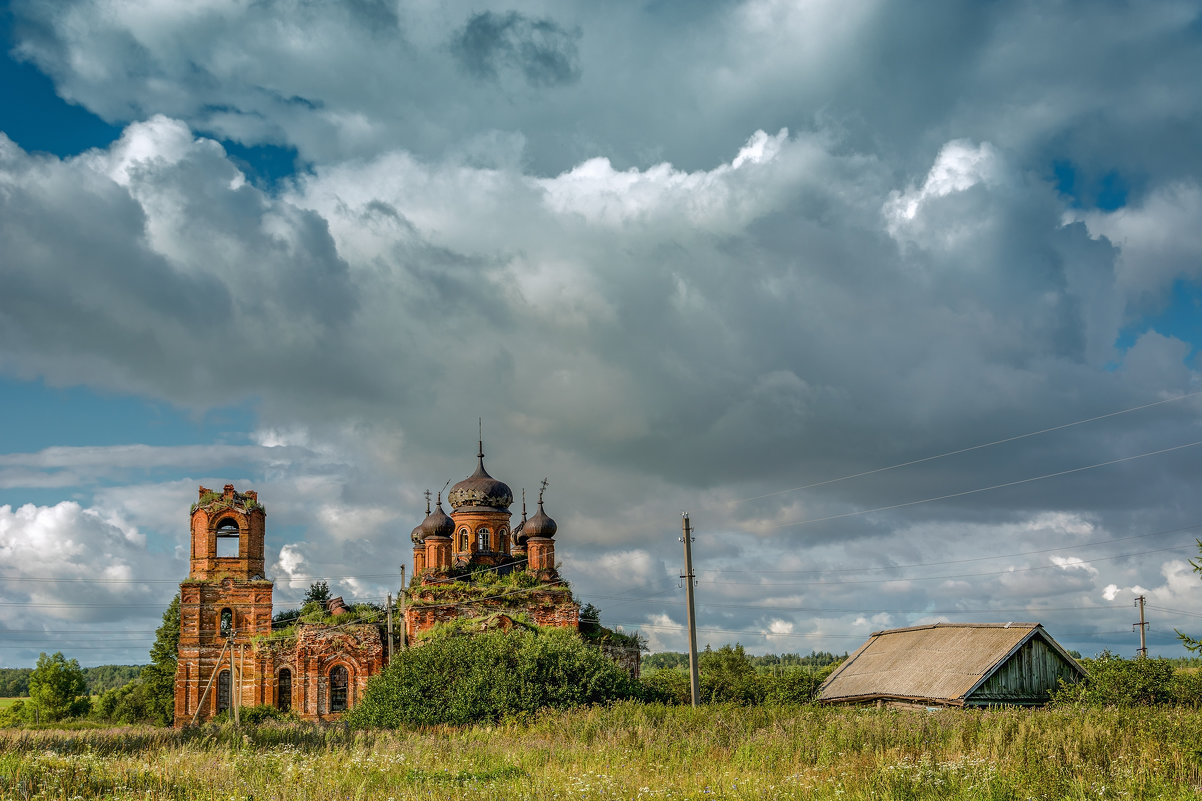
(158, 678)
(56, 686)
(728, 675)
(1186, 640)
(319, 591)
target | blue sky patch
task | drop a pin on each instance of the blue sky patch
(35, 117)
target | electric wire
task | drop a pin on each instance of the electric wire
(1002, 485)
(970, 448)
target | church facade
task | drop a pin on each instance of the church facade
(231, 656)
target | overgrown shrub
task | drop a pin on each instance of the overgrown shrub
(255, 715)
(666, 685)
(136, 702)
(793, 685)
(489, 676)
(1115, 681)
(728, 675)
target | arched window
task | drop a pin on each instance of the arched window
(463, 540)
(223, 691)
(503, 535)
(227, 622)
(338, 684)
(283, 700)
(227, 539)
(482, 539)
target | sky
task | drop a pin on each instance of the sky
(900, 303)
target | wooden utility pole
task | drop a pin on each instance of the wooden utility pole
(688, 579)
(1143, 627)
(401, 602)
(388, 646)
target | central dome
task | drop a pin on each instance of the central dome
(480, 489)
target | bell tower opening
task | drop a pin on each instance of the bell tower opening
(229, 538)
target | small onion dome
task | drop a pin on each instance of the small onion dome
(437, 524)
(416, 535)
(540, 525)
(519, 535)
(480, 489)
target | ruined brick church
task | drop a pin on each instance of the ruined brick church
(230, 656)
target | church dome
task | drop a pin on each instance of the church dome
(437, 523)
(416, 535)
(480, 489)
(540, 525)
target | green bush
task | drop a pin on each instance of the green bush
(667, 685)
(490, 676)
(136, 702)
(793, 685)
(1114, 681)
(728, 675)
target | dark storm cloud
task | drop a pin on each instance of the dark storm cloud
(544, 53)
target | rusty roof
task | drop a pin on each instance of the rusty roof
(942, 662)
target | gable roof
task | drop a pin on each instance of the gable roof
(943, 662)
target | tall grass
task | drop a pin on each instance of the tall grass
(636, 751)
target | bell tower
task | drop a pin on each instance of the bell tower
(224, 602)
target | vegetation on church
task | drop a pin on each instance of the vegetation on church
(490, 677)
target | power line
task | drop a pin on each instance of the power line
(970, 448)
(987, 489)
(952, 576)
(1078, 546)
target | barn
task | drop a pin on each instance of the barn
(953, 664)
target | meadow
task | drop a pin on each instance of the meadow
(636, 751)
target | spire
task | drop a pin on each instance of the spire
(542, 488)
(523, 504)
(427, 503)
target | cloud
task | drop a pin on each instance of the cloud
(678, 258)
(539, 50)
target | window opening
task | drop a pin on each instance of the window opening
(227, 622)
(463, 540)
(338, 682)
(223, 691)
(284, 691)
(227, 539)
(482, 539)
(504, 540)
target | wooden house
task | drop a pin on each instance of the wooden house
(953, 664)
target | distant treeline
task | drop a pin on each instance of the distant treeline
(14, 682)
(815, 659)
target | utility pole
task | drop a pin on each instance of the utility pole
(388, 646)
(688, 579)
(1143, 628)
(401, 602)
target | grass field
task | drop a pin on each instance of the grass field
(632, 751)
(5, 703)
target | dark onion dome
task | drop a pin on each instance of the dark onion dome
(437, 523)
(540, 525)
(416, 535)
(480, 489)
